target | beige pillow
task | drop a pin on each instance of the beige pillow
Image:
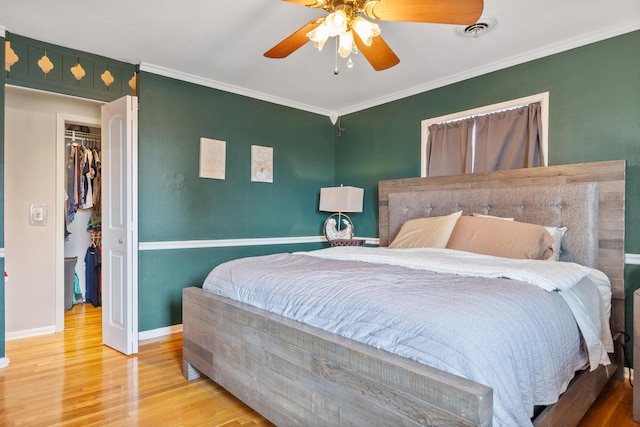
(432, 232)
(556, 232)
(507, 239)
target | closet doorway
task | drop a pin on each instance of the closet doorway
(35, 165)
(82, 169)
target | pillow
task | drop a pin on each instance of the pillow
(432, 232)
(507, 239)
(556, 233)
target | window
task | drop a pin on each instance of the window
(461, 131)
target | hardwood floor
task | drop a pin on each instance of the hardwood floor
(71, 379)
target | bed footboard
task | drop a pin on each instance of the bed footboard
(294, 374)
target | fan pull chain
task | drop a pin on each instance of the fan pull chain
(335, 70)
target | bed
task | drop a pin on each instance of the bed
(296, 374)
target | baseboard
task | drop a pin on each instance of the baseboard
(145, 335)
(30, 333)
(160, 332)
(4, 362)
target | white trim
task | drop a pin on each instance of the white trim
(3, 34)
(633, 259)
(60, 95)
(1, 252)
(224, 243)
(541, 52)
(215, 84)
(133, 218)
(26, 333)
(160, 332)
(4, 362)
(543, 98)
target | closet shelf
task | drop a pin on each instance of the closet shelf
(76, 135)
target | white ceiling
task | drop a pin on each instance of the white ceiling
(219, 43)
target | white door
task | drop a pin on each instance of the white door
(119, 224)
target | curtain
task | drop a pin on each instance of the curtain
(449, 148)
(510, 139)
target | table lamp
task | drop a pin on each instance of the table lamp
(339, 200)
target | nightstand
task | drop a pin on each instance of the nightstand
(347, 242)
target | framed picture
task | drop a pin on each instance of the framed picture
(213, 154)
(261, 164)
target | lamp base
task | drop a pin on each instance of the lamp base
(333, 227)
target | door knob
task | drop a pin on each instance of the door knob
(121, 240)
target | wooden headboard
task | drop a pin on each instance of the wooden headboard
(609, 177)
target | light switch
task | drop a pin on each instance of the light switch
(38, 215)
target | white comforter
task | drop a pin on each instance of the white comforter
(476, 327)
(591, 309)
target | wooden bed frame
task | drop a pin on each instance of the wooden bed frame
(297, 375)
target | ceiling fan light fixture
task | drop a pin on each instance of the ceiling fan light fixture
(343, 17)
(319, 36)
(337, 23)
(346, 46)
(366, 30)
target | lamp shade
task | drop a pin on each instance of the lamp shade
(341, 199)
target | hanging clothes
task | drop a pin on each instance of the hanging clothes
(83, 179)
(87, 192)
(71, 173)
(95, 223)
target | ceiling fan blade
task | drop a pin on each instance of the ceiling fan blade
(294, 42)
(458, 12)
(379, 54)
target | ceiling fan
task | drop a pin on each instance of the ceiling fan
(355, 33)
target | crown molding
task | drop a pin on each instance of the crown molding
(214, 84)
(531, 55)
(3, 31)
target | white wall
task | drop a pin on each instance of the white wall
(30, 177)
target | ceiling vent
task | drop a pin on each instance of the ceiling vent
(480, 28)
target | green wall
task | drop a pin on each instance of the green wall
(594, 98)
(176, 205)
